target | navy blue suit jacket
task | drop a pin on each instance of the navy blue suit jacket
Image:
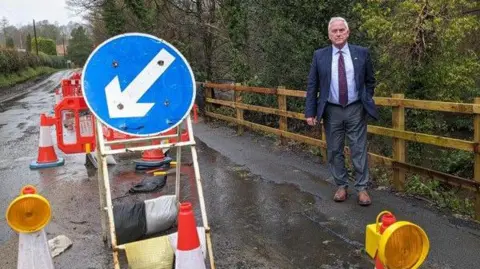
(320, 76)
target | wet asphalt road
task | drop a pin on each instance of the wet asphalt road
(268, 207)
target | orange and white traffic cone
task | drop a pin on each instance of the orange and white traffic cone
(189, 252)
(46, 152)
(153, 158)
(195, 113)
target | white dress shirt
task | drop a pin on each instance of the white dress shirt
(352, 90)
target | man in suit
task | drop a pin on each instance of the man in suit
(340, 90)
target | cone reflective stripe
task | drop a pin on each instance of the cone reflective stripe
(189, 252)
(46, 152)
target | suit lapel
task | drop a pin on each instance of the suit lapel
(354, 55)
(328, 60)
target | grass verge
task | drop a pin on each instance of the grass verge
(438, 194)
(9, 80)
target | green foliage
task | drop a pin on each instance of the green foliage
(45, 45)
(80, 46)
(421, 49)
(237, 27)
(8, 80)
(140, 11)
(416, 44)
(442, 195)
(113, 18)
(12, 61)
(10, 43)
(29, 43)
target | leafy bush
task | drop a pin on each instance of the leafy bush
(12, 61)
(45, 45)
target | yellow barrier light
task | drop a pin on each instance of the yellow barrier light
(28, 213)
(402, 245)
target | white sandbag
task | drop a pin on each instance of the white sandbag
(160, 213)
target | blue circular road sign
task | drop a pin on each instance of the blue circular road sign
(138, 84)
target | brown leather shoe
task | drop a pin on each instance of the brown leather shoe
(364, 199)
(340, 195)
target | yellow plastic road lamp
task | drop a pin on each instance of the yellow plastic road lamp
(396, 244)
(28, 214)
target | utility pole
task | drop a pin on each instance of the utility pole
(64, 50)
(35, 33)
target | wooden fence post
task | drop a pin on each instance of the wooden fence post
(324, 138)
(476, 168)
(208, 106)
(283, 122)
(398, 119)
(238, 99)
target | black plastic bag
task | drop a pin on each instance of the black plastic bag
(130, 222)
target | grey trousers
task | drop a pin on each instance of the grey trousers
(349, 121)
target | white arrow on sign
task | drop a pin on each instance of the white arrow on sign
(124, 104)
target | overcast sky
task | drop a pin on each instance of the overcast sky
(24, 11)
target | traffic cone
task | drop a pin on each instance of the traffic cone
(189, 252)
(195, 113)
(153, 158)
(46, 153)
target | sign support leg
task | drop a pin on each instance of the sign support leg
(200, 193)
(179, 165)
(101, 190)
(102, 166)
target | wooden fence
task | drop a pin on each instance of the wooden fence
(397, 132)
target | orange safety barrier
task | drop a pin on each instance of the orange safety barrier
(75, 126)
(71, 87)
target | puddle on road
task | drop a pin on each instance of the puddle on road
(259, 224)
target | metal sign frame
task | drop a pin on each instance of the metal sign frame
(106, 206)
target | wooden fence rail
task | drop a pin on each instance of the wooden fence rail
(397, 132)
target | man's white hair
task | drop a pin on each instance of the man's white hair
(337, 19)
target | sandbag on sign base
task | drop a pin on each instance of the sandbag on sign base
(130, 224)
(154, 253)
(161, 213)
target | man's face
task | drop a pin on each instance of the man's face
(338, 33)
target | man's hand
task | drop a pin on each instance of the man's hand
(312, 121)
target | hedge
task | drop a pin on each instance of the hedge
(12, 61)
